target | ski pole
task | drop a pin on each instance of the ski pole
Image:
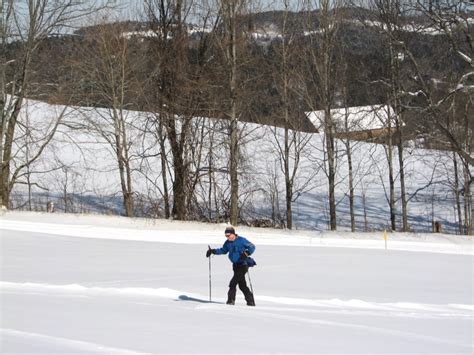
(250, 282)
(210, 281)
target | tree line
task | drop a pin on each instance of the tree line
(181, 60)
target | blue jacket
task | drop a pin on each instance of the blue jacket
(236, 248)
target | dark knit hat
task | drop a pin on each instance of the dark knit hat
(229, 230)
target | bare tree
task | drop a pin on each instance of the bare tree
(451, 18)
(421, 96)
(347, 143)
(28, 25)
(287, 77)
(344, 82)
(176, 86)
(161, 138)
(321, 56)
(390, 15)
(108, 67)
(229, 11)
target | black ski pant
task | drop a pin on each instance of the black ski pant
(239, 279)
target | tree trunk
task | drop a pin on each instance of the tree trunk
(122, 158)
(209, 176)
(328, 47)
(467, 201)
(126, 194)
(164, 170)
(364, 204)
(234, 177)
(331, 177)
(231, 49)
(349, 162)
(396, 89)
(129, 200)
(393, 224)
(179, 189)
(402, 186)
(351, 185)
(286, 161)
(285, 62)
(457, 194)
(179, 170)
(289, 186)
(3, 103)
(8, 137)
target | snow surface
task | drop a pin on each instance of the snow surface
(112, 285)
(359, 118)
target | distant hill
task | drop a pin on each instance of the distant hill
(56, 78)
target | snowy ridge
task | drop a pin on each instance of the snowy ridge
(168, 232)
(395, 309)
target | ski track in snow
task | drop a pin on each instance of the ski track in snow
(333, 306)
(77, 345)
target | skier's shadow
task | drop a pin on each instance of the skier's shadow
(193, 299)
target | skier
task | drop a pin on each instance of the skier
(239, 250)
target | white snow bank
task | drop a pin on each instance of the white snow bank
(164, 231)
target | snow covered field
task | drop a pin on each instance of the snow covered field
(96, 284)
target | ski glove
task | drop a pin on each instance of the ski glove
(209, 252)
(243, 256)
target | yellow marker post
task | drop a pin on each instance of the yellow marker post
(385, 237)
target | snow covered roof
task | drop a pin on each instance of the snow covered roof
(359, 118)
